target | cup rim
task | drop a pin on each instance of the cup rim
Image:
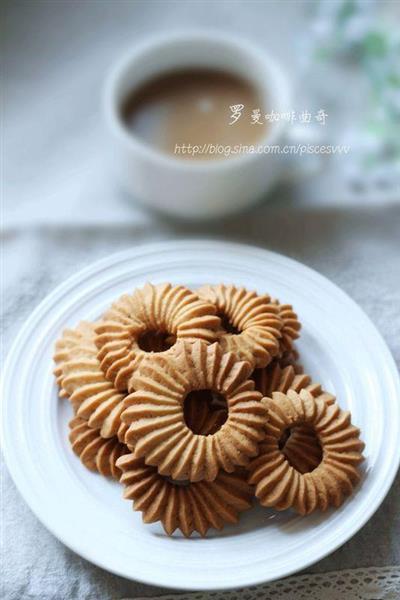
(133, 142)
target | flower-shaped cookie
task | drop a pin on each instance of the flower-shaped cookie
(155, 412)
(278, 483)
(250, 324)
(155, 316)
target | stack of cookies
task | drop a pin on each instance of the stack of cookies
(196, 403)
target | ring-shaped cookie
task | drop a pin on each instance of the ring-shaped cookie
(158, 314)
(302, 448)
(280, 485)
(250, 324)
(155, 413)
(190, 506)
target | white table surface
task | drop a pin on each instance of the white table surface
(63, 210)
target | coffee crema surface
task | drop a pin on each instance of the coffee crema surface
(193, 106)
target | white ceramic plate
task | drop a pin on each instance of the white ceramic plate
(339, 347)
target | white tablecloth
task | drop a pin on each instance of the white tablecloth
(63, 210)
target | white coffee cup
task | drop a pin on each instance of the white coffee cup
(196, 188)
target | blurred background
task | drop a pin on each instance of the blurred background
(59, 190)
(341, 56)
(63, 208)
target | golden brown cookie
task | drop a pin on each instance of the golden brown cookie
(95, 452)
(155, 412)
(301, 448)
(156, 313)
(78, 372)
(250, 324)
(186, 506)
(275, 378)
(280, 485)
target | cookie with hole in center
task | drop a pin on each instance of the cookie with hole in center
(153, 316)
(250, 323)
(156, 421)
(300, 446)
(278, 484)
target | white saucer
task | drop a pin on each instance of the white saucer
(339, 347)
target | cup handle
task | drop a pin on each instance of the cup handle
(302, 162)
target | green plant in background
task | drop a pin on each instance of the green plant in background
(380, 59)
(355, 33)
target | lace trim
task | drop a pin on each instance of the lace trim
(374, 583)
